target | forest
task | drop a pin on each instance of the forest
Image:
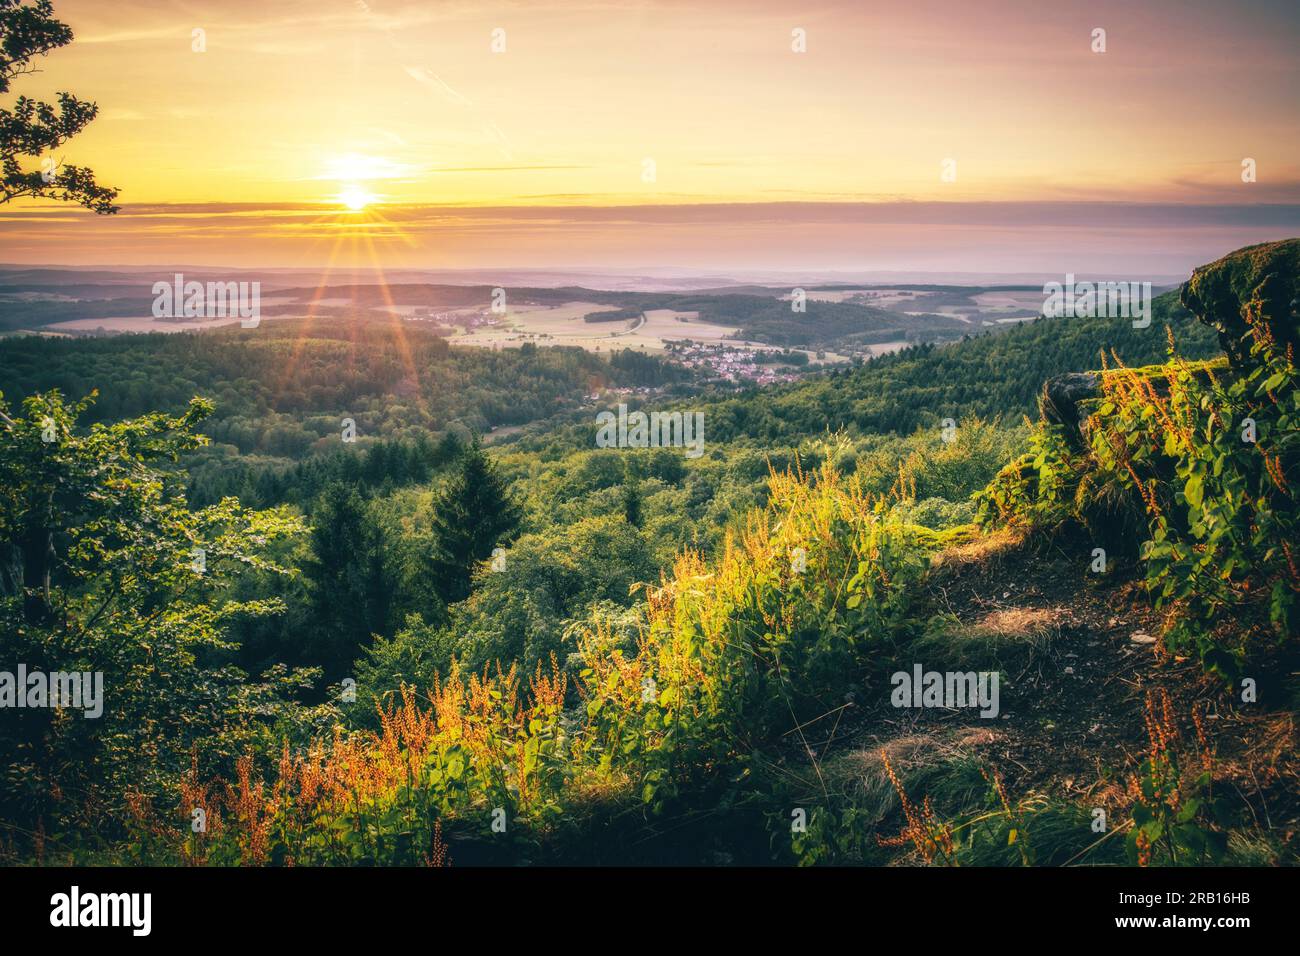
(424, 646)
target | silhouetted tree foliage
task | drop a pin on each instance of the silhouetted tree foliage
(34, 129)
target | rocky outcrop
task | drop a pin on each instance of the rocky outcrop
(1255, 285)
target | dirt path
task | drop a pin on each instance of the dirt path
(1077, 654)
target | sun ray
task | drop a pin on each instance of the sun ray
(396, 323)
(353, 230)
(309, 319)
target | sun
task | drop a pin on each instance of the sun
(355, 198)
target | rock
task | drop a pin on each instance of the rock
(1257, 284)
(1142, 637)
(1060, 398)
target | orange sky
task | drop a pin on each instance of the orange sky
(394, 102)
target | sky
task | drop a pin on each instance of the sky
(926, 134)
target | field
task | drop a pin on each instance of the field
(147, 323)
(540, 324)
(565, 325)
(970, 306)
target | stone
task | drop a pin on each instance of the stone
(1257, 284)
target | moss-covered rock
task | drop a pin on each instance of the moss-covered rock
(1255, 285)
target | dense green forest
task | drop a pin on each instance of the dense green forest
(381, 644)
(281, 395)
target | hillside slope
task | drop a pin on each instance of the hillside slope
(1105, 658)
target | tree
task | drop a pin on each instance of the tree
(526, 611)
(106, 571)
(348, 585)
(472, 514)
(632, 495)
(34, 128)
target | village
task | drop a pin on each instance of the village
(734, 363)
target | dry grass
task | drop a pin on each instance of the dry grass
(1017, 622)
(863, 775)
(1271, 743)
(980, 552)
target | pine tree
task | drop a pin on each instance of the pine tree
(348, 584)
(472, 514)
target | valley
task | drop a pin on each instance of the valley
(892, 514)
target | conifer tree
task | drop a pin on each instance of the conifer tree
(472, 514)
(348, 584)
